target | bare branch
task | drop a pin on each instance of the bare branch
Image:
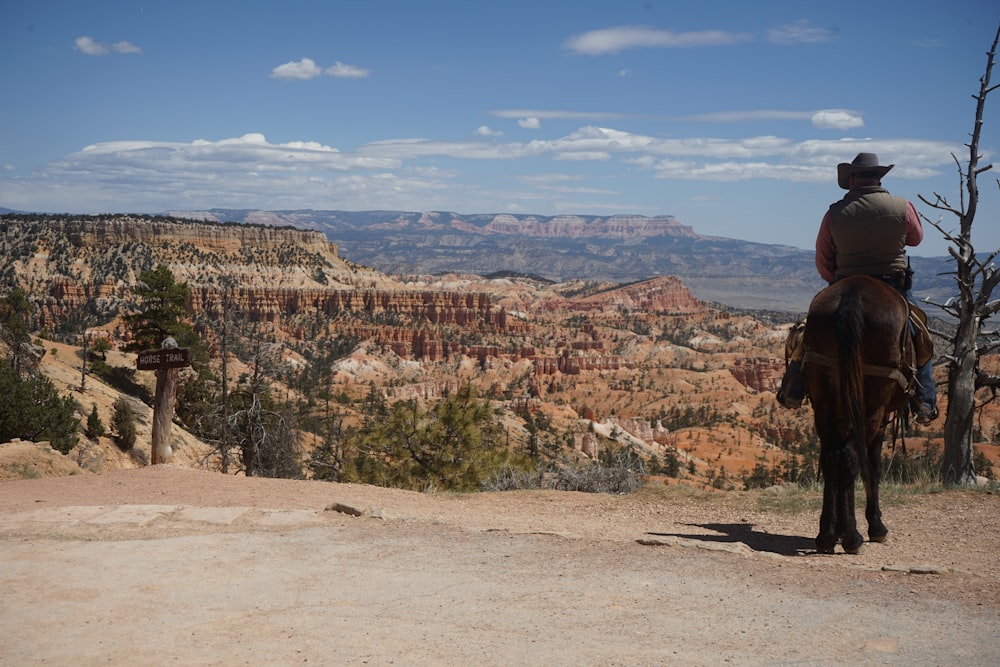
(989, 348)
(940, 203)
(987, 380)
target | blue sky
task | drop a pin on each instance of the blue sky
(731, 116)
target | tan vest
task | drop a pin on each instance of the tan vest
(869, 231)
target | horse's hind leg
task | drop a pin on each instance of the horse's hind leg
(850, 538)
(872, 475)
(837, 522)
(826, 540)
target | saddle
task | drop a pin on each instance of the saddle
(918, 349)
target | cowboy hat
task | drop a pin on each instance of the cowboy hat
(863, 163)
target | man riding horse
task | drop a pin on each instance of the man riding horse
(866, 233)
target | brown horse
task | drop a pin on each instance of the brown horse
(857, 371)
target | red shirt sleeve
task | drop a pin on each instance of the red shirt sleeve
(914, 228)
(826, 253)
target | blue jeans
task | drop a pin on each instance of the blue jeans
(926, 390)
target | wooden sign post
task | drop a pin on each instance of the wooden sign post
(166, 361)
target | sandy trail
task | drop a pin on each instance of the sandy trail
(165, 565)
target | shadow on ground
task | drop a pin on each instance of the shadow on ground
(784, 545)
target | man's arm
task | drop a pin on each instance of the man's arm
(914, 228)
(826, 252)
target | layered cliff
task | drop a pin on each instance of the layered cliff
(666, 294)
(98, 249)
(271, 304)
(117, 230)
(619, 227)
(617, 248)
(76, 264)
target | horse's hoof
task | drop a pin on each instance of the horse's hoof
(825, 545)
(878, 537)
(855, 546)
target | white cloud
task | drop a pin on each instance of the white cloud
(620, 38)
(748, 116)
(837, 119)
(247, 168)
(812, 161)
(487, 131)
(92, 47)
(412, 149)
(531, 123)
(589, 156)
(343, 71)
(253, 152)
(800, 32)
(297, 70)
(125, 47)
(546, 180)
(307, 68)
(88, 45)
(600, 144)
(728, 171)
(826, 119)
(411, 173)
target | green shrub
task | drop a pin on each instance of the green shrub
(123, 424)
(95, 427)
(454, 445)
(32, 409)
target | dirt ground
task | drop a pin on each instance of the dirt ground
(168, 565)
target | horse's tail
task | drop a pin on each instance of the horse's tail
(851, 395)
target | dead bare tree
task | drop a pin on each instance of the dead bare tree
(976, 280)
(262, 428)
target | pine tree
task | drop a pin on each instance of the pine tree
(163, 310)
(95, 427)
(123, 423)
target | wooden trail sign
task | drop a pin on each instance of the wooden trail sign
(151, 360)
(165, 362)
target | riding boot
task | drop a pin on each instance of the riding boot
(792, 391)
